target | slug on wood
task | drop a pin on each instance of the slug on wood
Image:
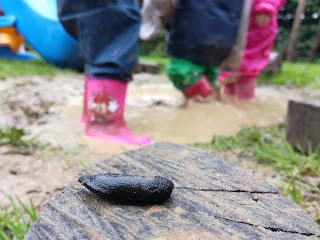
(136, 190)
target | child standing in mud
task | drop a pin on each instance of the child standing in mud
(263, 27)
(107, 32)
(201, 35)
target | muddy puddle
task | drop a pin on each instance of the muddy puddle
(156, 109)
(198, 122)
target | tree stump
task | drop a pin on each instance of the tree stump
(212, 199)
(303, 129)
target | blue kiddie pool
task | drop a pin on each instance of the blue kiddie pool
(38, 23)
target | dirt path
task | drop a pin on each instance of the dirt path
(51, 109)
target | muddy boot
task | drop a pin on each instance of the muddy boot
(104, 108)
(190, 78)
(201, 90)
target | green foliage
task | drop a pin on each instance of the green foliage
(295, 75)
(16, 220)
(10, 68)
(153, 48)
(307, 30)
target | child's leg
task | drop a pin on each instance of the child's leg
(227, 84)
(107, 32)
(189, 78)
(104, 112)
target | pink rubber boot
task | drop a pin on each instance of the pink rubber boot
(245, 88)
(104, 110)
(84, 118)
(201, 89)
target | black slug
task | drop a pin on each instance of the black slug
(136, 190)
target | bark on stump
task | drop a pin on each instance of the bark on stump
(212, 199)
(303, 129)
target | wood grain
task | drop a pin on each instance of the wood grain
(213, 199)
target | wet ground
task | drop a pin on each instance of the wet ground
(50, 109)
(156, 109)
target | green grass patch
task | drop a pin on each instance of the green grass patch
(12, 68)
(14, 137)
(161, 61)
(268, 146)
(16, 220)
(295, 75)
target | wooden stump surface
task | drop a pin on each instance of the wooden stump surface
(212, 199)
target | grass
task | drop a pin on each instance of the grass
(9, 68)
(160, 60)
(268, 146)
(300, 75)
(14, 137)
(292, 188)
(16, 221)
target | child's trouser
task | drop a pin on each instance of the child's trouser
(184, 73)
(107, 32)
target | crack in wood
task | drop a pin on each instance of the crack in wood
(267, 228)
(224, 190)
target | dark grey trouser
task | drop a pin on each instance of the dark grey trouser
(107, 32)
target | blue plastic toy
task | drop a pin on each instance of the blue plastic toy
(38, 23)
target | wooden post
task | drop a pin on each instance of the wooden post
(315, 45)
(303, 128)
(295, 30)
